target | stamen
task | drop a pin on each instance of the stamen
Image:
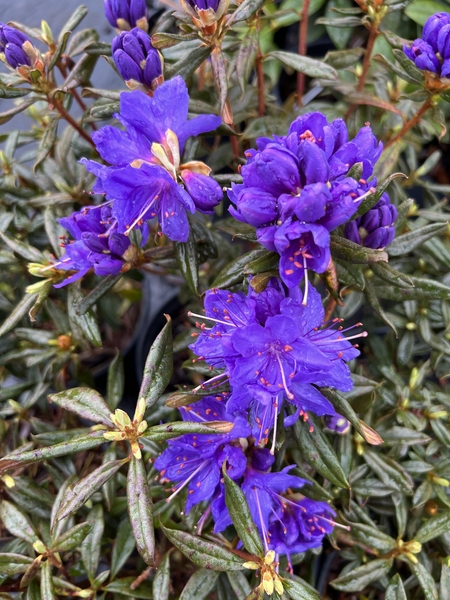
(186, 481)
(191, 314)
(289, 394)
(305, 297)
(274, 435)
(203, 385)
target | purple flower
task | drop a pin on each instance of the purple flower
(337, 424)
(273, 347)
(97, 244)
(146, 178)
(423, 56)
(432, 28)
(138, 62)
(195, 461)
(205, 13)
(295, 190)
(127, 14)
(375, 229)
(16, 46)
(444, 42)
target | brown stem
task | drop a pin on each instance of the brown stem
(302, 41)
(63, 112)
(260, 75)
(411, 123)
(366, 63)
(201, 76)
(75, 94)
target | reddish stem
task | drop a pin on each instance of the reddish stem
(68, 117)
(373, 34)
(302, 42)
(411, 123)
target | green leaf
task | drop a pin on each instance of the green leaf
(370, 536)
(72, 538)
(11, 391)
(354, 253)
(19, 107)
(74, 20)
(395, 589)
(220, 74)
(140, 510)
(85, 402)
(298, 590)
(245, 59)
(116, 381)
(80, 492)
(47, 588)
(387, 273)
(444, 586)
(189, 63)
(187, 260)
(62, 43)
(304, 64)
(200, 584)
(161, 582)
(389, 472)
(246, 10)
(434, 527)
(203, 553)
(167, 431)
(91, 546)
(420, 10)
(81, 73)
(27, 251)
(123, 546)
(318, 453)
(158, 366)
(373, 301)
(370, 201)
(47, 142)
(408, 241)
(341, 59)
(122, 587)
(241, 516)
(16, 522)
(80, 41)
(408, 66)
(163, 39)
(105, 285)
(425, 580)
(14, 564)
(359, 578)
(340, 36)
(7, 92)
(77, 444)
(233, 273)
(404, 435)
(269, 261)
(239, 584)
(82, 325)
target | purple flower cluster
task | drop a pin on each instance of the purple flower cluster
(286, 523)
(146, 179)
(296, 189)
(431, 52)
(375, 229)
(97, 244)
(273, 348)
(16, 46)
(127, 14)
(205, 13)
(137, 61)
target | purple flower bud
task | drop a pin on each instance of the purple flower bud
(136, 59)
(433, 27)
(11, 43)
(204, 4)
(126, 14)
(94, 242)
(423, 55)
(254, 206)
(204, 190)
(352, 232)
(444, 42)
(375, 229)
(445, 69)
(337, 423)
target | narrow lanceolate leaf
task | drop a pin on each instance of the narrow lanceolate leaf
(79, 493)
(304, 64)
(83, 326)
(86, 403)
(387, 273)
(233, 273)
(246, 10)
(22, 249)
(425, 580)
(159, 433)
(188, 64)
(140, 510)
(317, 452)
(354, 253)
(158, 366)
(72, 538)
(220, 76)
(14, 564)
(299, 591)
(77, 444)
(203, 553)
(18, 313)
(434, 527)
(47, 589)
(91, 546)
(116, 381)
(371, 536)
(241, 516)
(47, 142)
(389, 472)
(373, 301)
(444, 585)
(200, 584)
(161, 582)
(106, 284)
(16, 522)
(408, 241)
(239, 583)
(395, 589)
(187, 260)
(246, 56)
(74, 20)
(372, 199)
(361, 577)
